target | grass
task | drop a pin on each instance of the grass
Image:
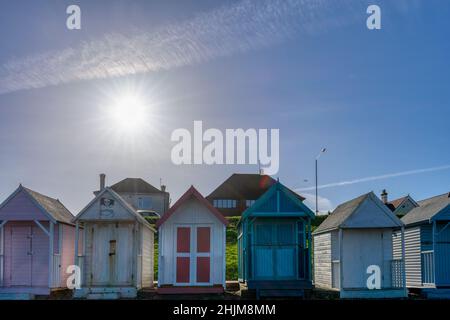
(231, 246)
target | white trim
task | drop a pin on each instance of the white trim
(403, 261)
(51, 253)
(77, 238)
(224, 272)
(160, 252)
(341, 264)
(2, 250)
(47, 232)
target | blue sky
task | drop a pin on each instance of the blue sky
(378, 100)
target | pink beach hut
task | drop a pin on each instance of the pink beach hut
(37, 241)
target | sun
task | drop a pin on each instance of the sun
(129, 113)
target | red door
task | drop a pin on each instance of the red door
(193, 255)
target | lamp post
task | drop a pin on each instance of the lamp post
(317, 158)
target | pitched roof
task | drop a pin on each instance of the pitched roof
(245, 186)
(191, 192)
(122, 201)
(134, 185)
(53, 206)
(395, 203)
(427, 209)
(341, 213)
(268, 210)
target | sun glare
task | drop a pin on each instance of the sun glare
(129, 113)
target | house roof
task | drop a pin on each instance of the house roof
(134, 185)
(191, 193)
(341, 213)
(394, 204)
(122, 201)
(427, 209)
(245, 186)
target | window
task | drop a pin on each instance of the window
(144, 203)
(225, 203)
(249, 203)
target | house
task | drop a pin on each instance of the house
(239, 192)
(355, 240)
(427, 245)
(37, 243)
(192, 237)
(142, 196)
(117, 258)
(400, 206)
(274, 237)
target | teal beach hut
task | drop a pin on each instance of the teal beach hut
(274, 244)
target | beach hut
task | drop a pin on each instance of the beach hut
(274, 237)
(427, 245)
(192, 237)
(37, 241)
(117, 258)
(354, 252)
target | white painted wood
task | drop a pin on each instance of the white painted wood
(77, 239)
(190, 213)
(51, 271)
(413, 262)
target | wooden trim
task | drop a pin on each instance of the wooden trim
(47, 232)
(224, 272)
(404, 259)
(77, 238)
(2, 251)
(51, 253)
(341, 262)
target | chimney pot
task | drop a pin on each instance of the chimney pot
(102, 181)
(163, 188)
(384, 196)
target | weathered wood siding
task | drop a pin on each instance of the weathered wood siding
(412, 257)
(322, 260)
(147, 257)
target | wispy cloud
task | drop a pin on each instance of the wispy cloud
(228, 30)
(380, 177)
(324, 204)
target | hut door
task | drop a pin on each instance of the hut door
(183, 255)
(193, 255)
(21, 256)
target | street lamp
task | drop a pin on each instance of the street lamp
(317, 158)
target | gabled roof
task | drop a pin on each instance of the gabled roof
(119, 199)
(189, 194)
(53, 208)
(245, 186)
(394, 204)
(259, 207)
(345, 210)
(134, 185)
(427, 209)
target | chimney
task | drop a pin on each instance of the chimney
(163, 188)
(102, 181)
(384, 196)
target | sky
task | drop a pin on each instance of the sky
(378, 100)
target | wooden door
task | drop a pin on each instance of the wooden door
(193, 255)
(124, 250)
(21, 256)
(183, 255)
(39, 261)
(101, 236)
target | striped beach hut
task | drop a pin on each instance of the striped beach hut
(427, 245)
